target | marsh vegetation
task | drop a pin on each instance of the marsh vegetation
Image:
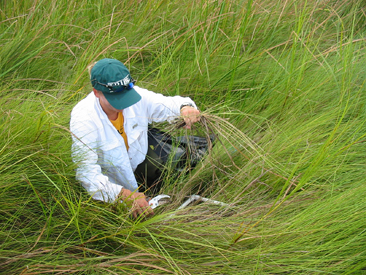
(282, 84)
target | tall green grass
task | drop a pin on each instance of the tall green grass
(281, 84)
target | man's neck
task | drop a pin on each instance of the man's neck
(112, 114)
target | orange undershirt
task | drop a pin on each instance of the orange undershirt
(118, 124)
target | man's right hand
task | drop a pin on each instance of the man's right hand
(137, 203)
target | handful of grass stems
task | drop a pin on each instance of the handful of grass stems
(281, 85)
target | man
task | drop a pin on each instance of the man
(109, 130)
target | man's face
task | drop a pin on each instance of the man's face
(107, 107)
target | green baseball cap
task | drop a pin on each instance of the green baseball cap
(113, 79)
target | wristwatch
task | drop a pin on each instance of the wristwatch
(186, 104)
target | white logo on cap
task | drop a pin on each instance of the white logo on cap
(122, 82)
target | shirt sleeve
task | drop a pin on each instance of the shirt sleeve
(84, 154)
(163, 108)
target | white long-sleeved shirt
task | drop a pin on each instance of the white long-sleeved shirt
(104, 164)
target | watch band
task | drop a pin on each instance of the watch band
(186, 104)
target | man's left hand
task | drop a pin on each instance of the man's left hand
(190, 115)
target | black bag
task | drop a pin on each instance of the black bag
(182, 153)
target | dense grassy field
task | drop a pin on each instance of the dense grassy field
(282, 84)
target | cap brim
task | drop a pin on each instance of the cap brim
(124, 99)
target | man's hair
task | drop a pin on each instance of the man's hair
(90, 67)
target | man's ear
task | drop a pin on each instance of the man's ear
(96, 93)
